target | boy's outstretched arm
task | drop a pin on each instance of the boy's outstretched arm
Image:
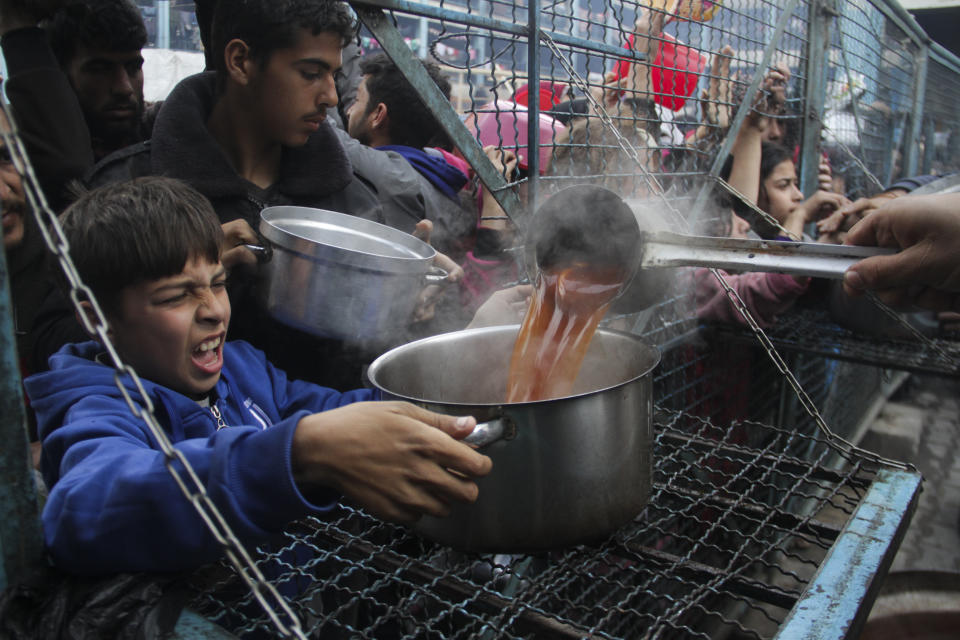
(394, 459)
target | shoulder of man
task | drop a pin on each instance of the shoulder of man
(123, 164)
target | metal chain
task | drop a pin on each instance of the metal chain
(176, 463)
(900, 320)
(805, 400)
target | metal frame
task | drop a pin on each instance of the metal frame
(21, 540)
(822, 13)
(833, 604)
(872, 532)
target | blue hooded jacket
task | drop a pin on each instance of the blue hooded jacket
(113, 506)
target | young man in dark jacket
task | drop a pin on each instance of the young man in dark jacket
(254, 134)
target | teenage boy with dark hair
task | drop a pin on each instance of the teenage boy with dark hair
(76, 85)
(389, 116)
(253, 135)
(267, 449)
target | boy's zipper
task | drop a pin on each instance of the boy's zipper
(216, 414)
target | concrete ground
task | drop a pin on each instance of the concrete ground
(921, 424)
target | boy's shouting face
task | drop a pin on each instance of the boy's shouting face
(172, 330)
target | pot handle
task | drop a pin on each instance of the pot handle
(263, 252)
(436, 275)
(486, 433)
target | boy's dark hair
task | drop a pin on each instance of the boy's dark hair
(411, 123)
(269, 25)
(126, 233)
(104, 25)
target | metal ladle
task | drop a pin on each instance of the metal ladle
(593, 224)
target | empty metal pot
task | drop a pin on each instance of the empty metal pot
(565, 471)
(340, 276)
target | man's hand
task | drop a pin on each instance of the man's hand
(926, 272)
(506, 306)
(237, 233)
(394, 459)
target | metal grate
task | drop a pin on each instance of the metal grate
(813, 332)
(730, 540)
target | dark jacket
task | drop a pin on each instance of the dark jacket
(318, 174)
(113, 505)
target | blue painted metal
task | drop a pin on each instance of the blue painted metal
(942, 56)
(838, 599)
(393, 44)
(818, 41)
(20, 539)
(483, 22)
(192, 626)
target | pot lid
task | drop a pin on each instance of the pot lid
(344, 239)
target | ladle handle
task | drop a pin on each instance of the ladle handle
(668, 249)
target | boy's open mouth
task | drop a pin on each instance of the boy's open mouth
(207, 356)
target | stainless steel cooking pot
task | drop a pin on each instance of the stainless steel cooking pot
(340, 276)
(565, 471)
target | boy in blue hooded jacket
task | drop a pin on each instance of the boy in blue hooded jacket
(269, 450)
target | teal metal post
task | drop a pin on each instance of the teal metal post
(911, 144)
(929, 146)
(20, 539)
(822, 13)
(533, 102)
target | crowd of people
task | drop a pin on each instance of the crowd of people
(160, 203)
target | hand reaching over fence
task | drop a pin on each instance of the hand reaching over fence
(926, 272)
(834, 227)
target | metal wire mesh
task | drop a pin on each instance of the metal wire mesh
(743, 513)
(813, 331)
(731, 529)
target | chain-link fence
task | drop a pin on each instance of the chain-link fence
(647, 103)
